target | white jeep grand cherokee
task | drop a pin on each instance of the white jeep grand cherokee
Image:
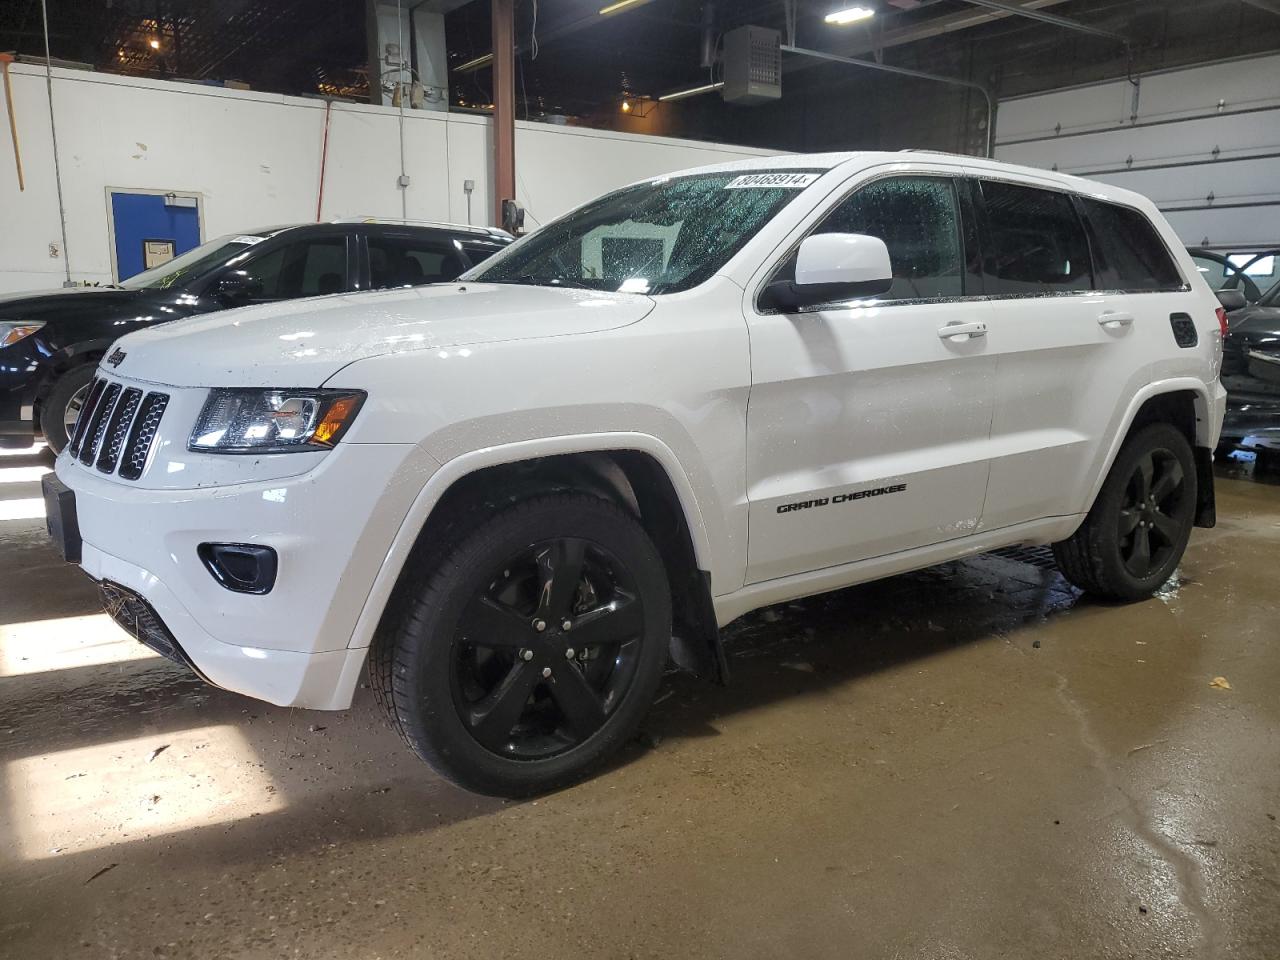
(518, 494)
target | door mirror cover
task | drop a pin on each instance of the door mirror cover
(1232, 300)
(831, 267)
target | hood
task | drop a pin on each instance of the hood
(301, 343)
(51, 304)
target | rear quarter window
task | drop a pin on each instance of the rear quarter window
(1127, 249)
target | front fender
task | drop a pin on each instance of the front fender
(465, 464)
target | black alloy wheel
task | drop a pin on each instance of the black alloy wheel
(1134, 535)
(526, 653)
(1149, 520)
(547, 649)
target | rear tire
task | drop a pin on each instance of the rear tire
(1135, 534)
(533, 650)
(59, 409)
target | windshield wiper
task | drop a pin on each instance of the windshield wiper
(532, 281)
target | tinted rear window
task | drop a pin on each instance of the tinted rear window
(1128, 252)
(1035, 243)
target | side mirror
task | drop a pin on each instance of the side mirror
(1232, 300)
(831, 267)
(236, 288)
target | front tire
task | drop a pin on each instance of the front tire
(60, 408)
(531, 652)
(1134, 536)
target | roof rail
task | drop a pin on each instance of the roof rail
(464, 227)
(941, 153)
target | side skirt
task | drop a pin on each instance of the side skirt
(730, 606)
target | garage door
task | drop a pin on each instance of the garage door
(1203, 143)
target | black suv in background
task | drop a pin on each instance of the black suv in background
(51, 341)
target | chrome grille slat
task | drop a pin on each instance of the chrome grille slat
(118, 429)
(142, 435)
(98, 425)
(86, 414)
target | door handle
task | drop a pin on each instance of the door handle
(970, 331)
(1113, 320)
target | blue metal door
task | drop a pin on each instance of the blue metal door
(150, 228)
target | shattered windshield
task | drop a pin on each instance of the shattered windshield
(662, 236)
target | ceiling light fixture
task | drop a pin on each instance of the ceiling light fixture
(619, 6)
(849, 15)
(155, 44)
(691, 92)
(626, 106)
(475, 64)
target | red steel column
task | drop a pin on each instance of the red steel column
(504, 105)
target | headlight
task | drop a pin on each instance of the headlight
(11, 332)
(273, 421)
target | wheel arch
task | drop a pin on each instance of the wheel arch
(636, 471)
(63, 360)
(1186, 403)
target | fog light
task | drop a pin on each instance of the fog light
(241, 567)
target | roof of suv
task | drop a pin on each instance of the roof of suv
(829, 161)
(480, 233)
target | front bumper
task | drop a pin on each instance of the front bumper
(331, 527)
(150, 611)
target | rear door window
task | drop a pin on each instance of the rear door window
(1128, 252)
(405, 261)
(308, 268)
(1034, 242)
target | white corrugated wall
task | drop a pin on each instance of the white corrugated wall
(1202, 142)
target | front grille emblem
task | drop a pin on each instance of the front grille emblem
(116, 358)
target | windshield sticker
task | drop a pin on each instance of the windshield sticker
(247, 239)
(792, 181)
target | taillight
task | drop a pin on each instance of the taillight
(1222, 320)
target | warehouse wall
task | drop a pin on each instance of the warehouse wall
(254, 159)
(1203, 143)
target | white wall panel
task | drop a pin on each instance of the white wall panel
(1210, 131)
(1231, 228)
(1107, 106)
(1183, 141)
(1235, 181)
(254, 158)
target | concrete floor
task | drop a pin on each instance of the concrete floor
(967, 762)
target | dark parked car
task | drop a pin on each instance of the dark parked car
(51, 341)
(1251, 354)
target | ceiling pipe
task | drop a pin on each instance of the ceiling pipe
(1271, 6)
(907, 72)
(707, 48)
(1066, 23)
